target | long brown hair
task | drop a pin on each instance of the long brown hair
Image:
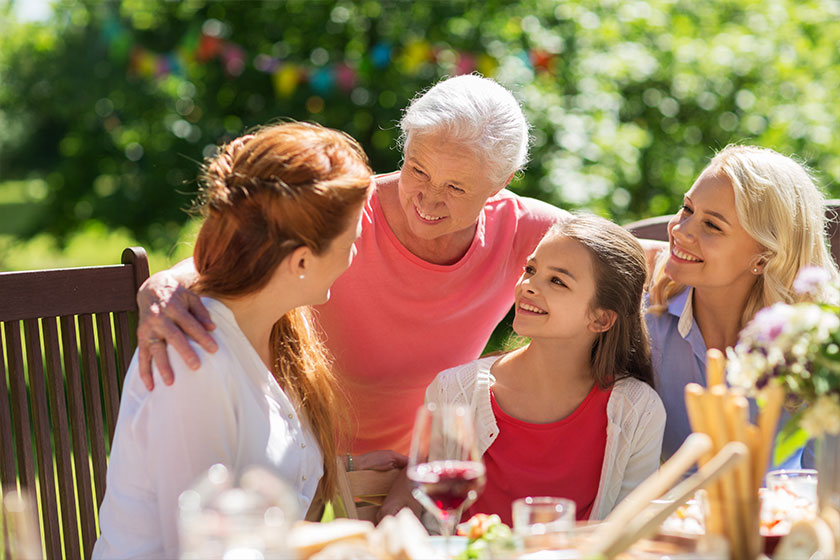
(620, 271)
(263, 196)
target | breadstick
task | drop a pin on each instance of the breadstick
(643, 526)
(754, 443)
(653, 487)
(768, 419)
(715, 413)
(737, 417)
(693, 403)
(715, 366)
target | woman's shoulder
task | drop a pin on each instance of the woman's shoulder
(215, 369)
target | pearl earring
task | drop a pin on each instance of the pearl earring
(755, 270)
(301, 276)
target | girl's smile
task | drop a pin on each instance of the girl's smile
(527, 307)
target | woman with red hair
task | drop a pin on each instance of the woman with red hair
(282, 212)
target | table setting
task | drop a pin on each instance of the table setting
(726, 508)
(706, 501)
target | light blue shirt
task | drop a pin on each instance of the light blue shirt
(678, 352)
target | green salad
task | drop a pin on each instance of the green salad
(484, 532)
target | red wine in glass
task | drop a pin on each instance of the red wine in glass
(444, 463)
(448, 484)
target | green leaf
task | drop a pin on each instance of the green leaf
(789, 439)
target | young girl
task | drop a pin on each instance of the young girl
(747, 226)
(573, 413)
(283, 210)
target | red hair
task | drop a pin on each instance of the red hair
(263, 196)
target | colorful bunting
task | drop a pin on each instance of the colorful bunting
(199, 47)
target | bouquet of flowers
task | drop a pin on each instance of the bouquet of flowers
(798, 346)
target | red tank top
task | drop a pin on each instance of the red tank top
(561, 459)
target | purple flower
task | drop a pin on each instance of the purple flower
(810, 279)
(770, 322)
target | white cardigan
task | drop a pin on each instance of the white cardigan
(635, 424)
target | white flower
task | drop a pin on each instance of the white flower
(743, 368)
(822, 417)
(811, 280)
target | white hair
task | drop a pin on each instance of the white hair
(476, 112)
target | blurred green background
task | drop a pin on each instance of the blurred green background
(107, 108)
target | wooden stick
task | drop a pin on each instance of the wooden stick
(715, 414)
(644, 525)
(694, 395)
(715, 367)
(768, 419)
(653, 487)
(737, 417)
(754, 443)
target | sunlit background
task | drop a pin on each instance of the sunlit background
(108, 108)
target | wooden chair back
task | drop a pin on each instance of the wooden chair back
(362, 492)
(657, 227)
(67, 338)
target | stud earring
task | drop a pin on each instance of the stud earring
(755, 270)
(301, 276)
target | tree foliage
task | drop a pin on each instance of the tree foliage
(112, 106)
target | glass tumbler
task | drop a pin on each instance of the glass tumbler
(544, 522)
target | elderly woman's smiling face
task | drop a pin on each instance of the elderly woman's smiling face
(443, 186)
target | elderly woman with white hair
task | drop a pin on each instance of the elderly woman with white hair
(441, 248)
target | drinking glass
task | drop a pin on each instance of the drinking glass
(544, 522)
(230, 515)
(790, 496)
(444, 464)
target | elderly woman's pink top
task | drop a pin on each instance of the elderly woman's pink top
(394, 320)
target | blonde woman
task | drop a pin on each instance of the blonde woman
(750, 222)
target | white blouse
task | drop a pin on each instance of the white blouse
(231, 410)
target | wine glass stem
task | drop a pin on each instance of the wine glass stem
(448, 521)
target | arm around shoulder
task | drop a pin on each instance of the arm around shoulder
(170, 314)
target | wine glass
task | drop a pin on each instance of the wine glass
(444, 464)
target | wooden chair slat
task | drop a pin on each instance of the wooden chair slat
(8, 474)
(63, 459)
(54, 394)
(20, 404)
(139, 261)
(108, 372)
(43, 439)
(125, 348)
(93, 404)
(67, 292)
(78, 430)
(650, 228)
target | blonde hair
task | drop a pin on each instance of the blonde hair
(263, 196)
(781, 208)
